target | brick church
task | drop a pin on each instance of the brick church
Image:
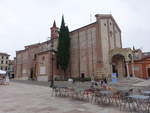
(96, 51)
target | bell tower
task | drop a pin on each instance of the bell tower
(54, 31)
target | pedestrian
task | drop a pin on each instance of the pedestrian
(101, 83)
(105, 80)
(73, 81)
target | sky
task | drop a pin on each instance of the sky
(25, 22)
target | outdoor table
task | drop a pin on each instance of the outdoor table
(140, 101)
(78, 93)
(79, 90)
(59, 90)
(61, 87)
(141, 97)
(106, 92)
(106, 96)
(146, 93)
(123, 90)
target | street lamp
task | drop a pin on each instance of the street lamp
(52, 59)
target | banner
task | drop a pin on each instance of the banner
(114, 78)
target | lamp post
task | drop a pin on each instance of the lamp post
(52, 78)
(52, 59)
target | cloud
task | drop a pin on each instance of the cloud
(24, 22)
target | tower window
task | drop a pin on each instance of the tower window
(2, 62)
(110, 33)
(2, 57)
(104, 24)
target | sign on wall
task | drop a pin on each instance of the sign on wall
(24, 71)
(42, 70)
(136, 68)
(114, 77)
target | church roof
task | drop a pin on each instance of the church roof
(54, 24)
(83, 27)
(108, 16)
(4, 54)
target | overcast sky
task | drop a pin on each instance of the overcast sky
(24, 22)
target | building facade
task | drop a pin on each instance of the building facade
(90, 47)
(141, 64)
(93, 53)
(25, 60)
(4, 61)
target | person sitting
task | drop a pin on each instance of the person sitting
(101, 83)
(94, 84)
(105, 80)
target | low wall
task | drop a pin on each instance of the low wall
(42, 78)
(22, 78)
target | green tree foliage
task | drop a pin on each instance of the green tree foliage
(63, 54)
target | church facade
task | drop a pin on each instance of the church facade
(91, 46)
(93, 53)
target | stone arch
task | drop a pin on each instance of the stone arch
(123, 56)
(118, 65)
(126, 52)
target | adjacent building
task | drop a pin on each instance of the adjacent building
(4, 61)
(11, 70)
(141, 64)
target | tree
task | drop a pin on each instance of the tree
(63, 53)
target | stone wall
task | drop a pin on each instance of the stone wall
(83, 51)
(22, 64)
(25, 59)
(43, 66)
(110, 36)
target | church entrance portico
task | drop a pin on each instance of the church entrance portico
(118, 66)
(119, 60)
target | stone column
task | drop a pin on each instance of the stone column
(132, 67)
(49, 66)
(128, 75)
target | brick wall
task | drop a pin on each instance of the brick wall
(90, 46)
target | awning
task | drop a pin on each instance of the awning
(2, 72)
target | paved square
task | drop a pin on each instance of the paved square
(24, 98)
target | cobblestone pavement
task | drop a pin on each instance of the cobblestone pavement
(44, 83)
(24, 98)
(33, 82)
